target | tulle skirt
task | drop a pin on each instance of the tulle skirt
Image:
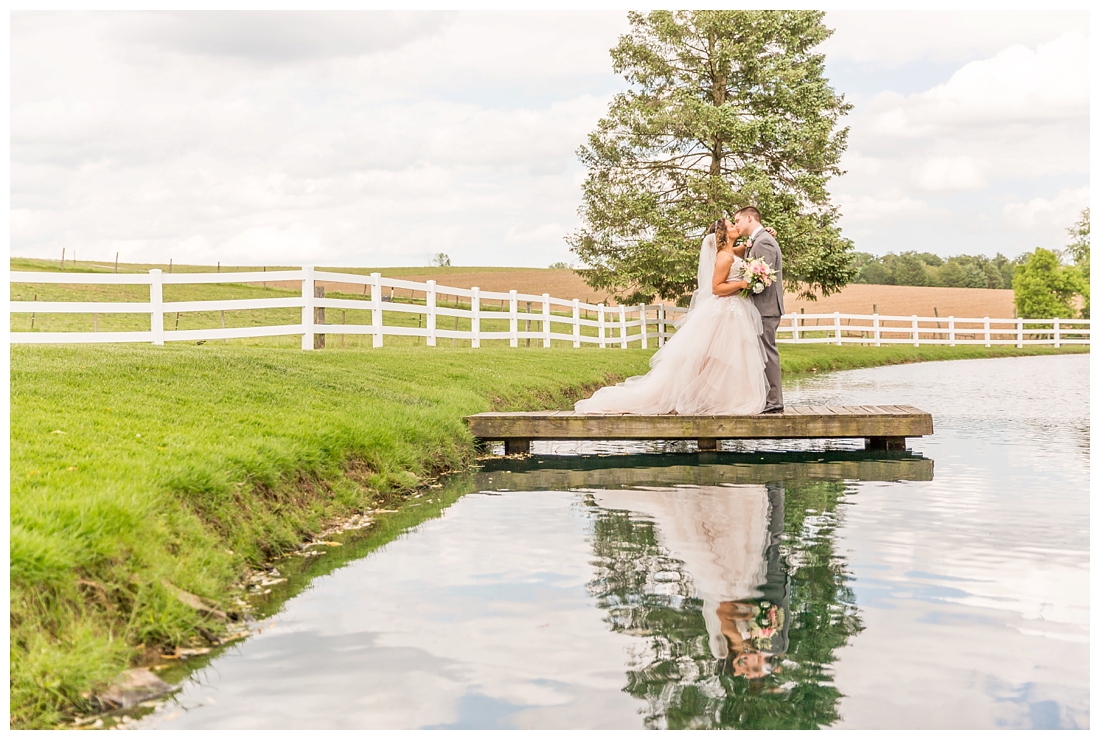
(712, 365)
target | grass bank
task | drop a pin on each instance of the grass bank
(137, 471)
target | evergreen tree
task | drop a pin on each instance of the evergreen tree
(726, 109)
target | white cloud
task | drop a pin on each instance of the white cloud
(245, 136)
(893, 38)
(377, 138)
(860, 209)
(1044, 215)
(1049, 83)
(1008, 128)
(949, 173)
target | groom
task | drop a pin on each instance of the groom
(769, 302)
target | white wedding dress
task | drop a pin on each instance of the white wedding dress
(712, 365)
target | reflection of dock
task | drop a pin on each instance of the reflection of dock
(884, 427)
(706, 469)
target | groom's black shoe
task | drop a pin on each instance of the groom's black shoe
(773, 410)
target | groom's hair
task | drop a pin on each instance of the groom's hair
(750, 212)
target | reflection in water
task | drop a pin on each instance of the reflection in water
(740, 593)
(712, 590)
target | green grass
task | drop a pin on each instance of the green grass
(135, 465)
(132, 466)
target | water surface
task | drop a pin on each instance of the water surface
(773, 585)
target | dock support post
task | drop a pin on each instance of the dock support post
(517, 447)
(885, 443)
(708, 444)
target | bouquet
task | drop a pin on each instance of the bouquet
(757, 274)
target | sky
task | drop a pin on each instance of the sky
(376, 138)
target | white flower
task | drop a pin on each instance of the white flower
(758, 288)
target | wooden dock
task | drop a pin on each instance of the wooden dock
(883, 427)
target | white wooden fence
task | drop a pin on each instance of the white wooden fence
(552, 318)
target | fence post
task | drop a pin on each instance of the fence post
(1057, 332)
(307, 307)
(475, 317)
(642, 315)
(986, 331)
(878, 329)
(1019, 333)
(376, 307)
(951, 329)
(622, 326)
(576, 322)
(429, 315)
(794, 328)
(513, 319)
(600, 317)
(836, 324)
(661, 325)
(319, 317)
(916, 331)
(545, 319)
(156, 298)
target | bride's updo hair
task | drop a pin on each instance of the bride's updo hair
(721, 235)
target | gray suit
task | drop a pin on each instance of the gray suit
(769, 303)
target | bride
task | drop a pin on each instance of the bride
(714, 363)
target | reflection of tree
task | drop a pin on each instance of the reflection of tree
(647, 592)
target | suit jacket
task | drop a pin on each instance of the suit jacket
(769, 302)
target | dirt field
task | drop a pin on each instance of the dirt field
(898, 300)
(904, 300)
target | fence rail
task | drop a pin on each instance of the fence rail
(553, 319)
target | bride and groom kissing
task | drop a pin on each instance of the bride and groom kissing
(722, 360)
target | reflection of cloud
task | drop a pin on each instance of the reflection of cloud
(485, 606)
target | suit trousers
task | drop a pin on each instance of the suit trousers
(771, 362)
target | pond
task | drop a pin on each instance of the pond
(771, 585)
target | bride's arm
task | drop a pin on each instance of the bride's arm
(722, 269)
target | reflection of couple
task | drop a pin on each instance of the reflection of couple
(722, 360)
(722, 535)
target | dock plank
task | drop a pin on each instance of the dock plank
(812, 422)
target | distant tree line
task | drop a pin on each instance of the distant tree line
(924, 268)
